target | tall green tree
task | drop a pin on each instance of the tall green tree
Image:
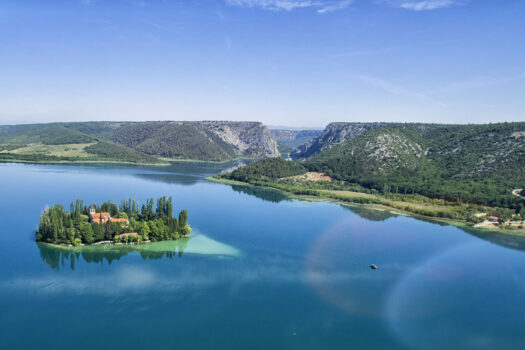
(183, 218)
(86, 233)
(98, 232)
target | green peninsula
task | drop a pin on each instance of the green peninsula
(302, 180)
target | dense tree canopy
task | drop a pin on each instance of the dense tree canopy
(269, 168)
(492, 195)
(151, 222)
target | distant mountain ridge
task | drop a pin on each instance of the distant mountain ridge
(289, 135)
(481, 163)
(333, 134)
(432, 165)
(142, 141)
(289, 139)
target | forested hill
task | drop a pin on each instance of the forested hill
(269, 168)
(137, 141)
(478, 163)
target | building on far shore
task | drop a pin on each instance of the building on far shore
(104, 217)
(493, 219)
(128, 234)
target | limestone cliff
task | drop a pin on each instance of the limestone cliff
(249, 139)
(334, 134)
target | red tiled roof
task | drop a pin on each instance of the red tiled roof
(118, 220)
(98, 215)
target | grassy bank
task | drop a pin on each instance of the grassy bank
(162, 161)
(80, 161)
(416, 206)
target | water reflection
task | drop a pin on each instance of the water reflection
(59, 258)
(501, 239)
(187, 173)
(171, 178)
(372, 214)
(178, 172)
(182, 167)
(265, 194)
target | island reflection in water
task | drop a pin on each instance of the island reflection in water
(60, 257)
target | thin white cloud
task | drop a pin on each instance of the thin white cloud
(221, 15)
(424, 5)
(335, 6)
(326, 6)
(273, 5)
(322, 6)
(398, 90)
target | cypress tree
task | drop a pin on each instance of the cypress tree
(169, 212)
(183, 218)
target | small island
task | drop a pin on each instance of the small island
(127, 223)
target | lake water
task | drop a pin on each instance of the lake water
(260, 272)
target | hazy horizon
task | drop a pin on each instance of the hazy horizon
(281, 62)
(269, 126)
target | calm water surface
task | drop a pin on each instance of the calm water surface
(260, 272)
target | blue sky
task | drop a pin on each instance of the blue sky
(284, 62)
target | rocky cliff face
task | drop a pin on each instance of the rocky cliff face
(249, 139)
(334, 134)
(199, 140)
(453, 151)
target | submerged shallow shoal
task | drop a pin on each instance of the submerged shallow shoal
(195, 244)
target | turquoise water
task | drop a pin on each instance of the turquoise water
(260, 272)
